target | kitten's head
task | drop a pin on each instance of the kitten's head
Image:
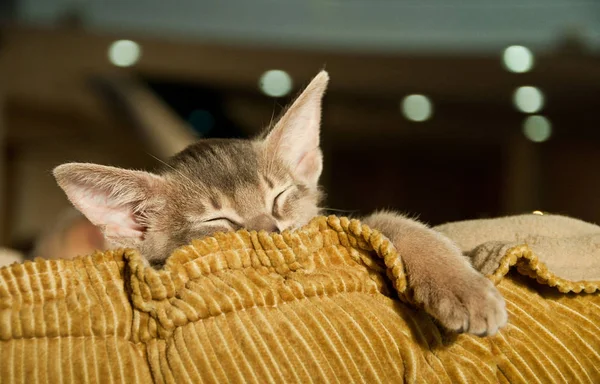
(270, 183)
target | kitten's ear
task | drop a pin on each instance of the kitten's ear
(117, 200)
(295, 137)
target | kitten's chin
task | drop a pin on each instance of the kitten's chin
(299, 223)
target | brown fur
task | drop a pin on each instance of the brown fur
(207, 178)
(441, 277)
(270, 183)
(227, 175)
(71, 235)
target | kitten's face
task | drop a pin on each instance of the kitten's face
(270, 184)
(223, 185)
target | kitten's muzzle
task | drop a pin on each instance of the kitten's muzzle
(262, 222)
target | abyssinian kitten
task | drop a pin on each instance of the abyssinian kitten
(71, 235)
(269, 183)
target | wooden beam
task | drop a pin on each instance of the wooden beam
(53, 65)
(159, 126)
(3, 178)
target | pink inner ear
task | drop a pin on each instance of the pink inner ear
(310, 166)
(117, 219)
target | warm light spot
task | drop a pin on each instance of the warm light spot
(124, 53)
(528, 99)
(275, 83)
(417, 107)
(540, 213)
(518, 59)
(537, 128)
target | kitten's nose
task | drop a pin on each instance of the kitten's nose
(263, 221)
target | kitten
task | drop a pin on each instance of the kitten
(269, 183)
(71, 235)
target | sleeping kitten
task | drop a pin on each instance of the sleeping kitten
(71, 235)
(269, 183)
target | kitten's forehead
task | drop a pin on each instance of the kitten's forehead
(220, 163)
(228, 172)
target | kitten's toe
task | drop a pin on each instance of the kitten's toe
(471, 305)
(485, 315)
(450, 312)
(485, 306)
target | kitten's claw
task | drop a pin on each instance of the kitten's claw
(469, 304)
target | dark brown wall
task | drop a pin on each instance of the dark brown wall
(469, 161)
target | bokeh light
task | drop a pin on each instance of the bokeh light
(275, 83)
(124, 53)
(417, 107)
(518, 59)
(537, 128)
(528, 99)
(202, 121)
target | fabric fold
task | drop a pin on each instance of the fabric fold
(328, 302)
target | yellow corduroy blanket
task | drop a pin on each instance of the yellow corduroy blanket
(326, 303)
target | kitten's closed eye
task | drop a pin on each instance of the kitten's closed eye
(279, 200)
(223, 221)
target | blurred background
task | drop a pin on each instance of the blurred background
(449, 109)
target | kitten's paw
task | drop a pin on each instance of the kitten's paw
(470, 304)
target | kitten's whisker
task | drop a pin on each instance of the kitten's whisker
(272, 159)
(170, 166)
(338, 210)
(279, 139)
(272, 116)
